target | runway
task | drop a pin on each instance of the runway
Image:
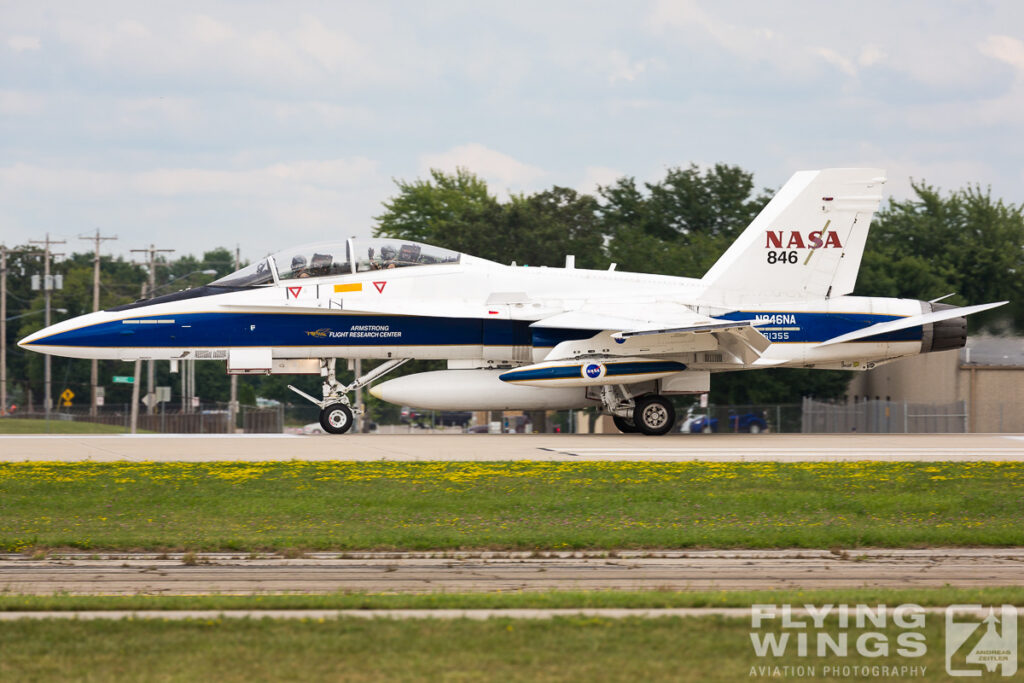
(503, 447)
(148, 574)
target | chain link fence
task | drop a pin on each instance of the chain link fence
(207, 418)
(885, 417)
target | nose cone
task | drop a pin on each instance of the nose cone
(35, 336)
(81, 337)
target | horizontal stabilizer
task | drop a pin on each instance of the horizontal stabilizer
(911, 321)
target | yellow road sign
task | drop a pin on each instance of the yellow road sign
(67, 395)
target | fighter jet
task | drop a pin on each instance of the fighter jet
(517, 337)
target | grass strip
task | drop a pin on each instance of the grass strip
(591, 649)
(527, 599)
(277, 506)
(15, 425)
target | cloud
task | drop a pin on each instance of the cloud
(870, 55)
(497, 168)
(595, 176)
(1006, 49)
(18, 103)
(23, 43)
(836, 60)
(207, 30)
(263, 208)
(267, 181)
(624, 69)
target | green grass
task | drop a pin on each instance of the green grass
(12, 425)
(239, 506)
(527, 599)
(563, 649)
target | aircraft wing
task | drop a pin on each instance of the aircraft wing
(623, 316)
(681, 331)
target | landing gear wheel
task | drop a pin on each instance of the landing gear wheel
(654, 415)
(336, 418)
(625, 426)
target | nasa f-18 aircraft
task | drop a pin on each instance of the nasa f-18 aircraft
(542, 338)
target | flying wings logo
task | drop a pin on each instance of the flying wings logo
(975, 642)
(320, 333)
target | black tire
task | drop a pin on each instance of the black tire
(654, 415)
(623, 425)
(336, 418)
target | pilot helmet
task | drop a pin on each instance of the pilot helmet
(388, 252)
(298, 263)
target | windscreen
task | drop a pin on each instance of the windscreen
(254, 274)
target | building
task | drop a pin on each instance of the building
(987, 374)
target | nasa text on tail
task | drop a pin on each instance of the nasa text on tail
(542, 338)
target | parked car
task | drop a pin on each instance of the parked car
(410, 415)
(700, 424)
(752, 423)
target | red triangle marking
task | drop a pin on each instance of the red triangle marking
(380, 286)
(294, 291)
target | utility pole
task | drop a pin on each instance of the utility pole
(94, 372)
(233, 406)
(3, 329)
(152, 264)
(47, 288)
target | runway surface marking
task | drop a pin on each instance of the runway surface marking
(476, 614)
(125, 574)
(508, 447)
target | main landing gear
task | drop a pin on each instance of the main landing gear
(336, 412)
(651, 414)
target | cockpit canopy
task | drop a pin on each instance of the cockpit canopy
(326, 259)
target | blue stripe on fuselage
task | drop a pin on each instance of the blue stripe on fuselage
(612, 369)
(787, 326)
(218, 330)
(282, 329)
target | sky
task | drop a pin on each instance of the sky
(193, 125)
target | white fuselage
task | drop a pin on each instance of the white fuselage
(472, 312)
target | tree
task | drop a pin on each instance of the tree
(964, 243)
(542, 228)
(681, 224)
(456, 211)
(447, 210)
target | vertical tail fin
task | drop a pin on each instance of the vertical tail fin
(805, 244)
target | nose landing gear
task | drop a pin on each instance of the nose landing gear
(336, 418)
(336, 412)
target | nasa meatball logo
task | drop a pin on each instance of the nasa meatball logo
(593, 371)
